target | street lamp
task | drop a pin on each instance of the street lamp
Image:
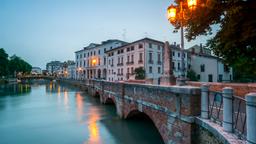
(175, 15)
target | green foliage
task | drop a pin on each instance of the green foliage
(17, 64)
(192, 75)
(139, 73)
(3, 62)
(235, 39)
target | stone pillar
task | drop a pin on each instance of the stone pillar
(167, 78)
(251, 117)
(205, 101)
(228, 109)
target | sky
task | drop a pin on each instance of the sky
(40, 31)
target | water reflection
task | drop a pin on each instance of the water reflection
(80, 105)
(94, 136)
(15, 89)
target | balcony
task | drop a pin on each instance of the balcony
(129, 63)
(159, 62)
(150, 62)
(120, 74)
(120, 64)
(140, 62)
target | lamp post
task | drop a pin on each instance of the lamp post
(172, 13)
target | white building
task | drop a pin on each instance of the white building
(36, 70)
(71, 70)
(146, 53)
(91, 61)
(54, 67)
(176, 60)
(210, 68)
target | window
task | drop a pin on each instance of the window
(105, 49)
(84, 55)
(104, 60)
(158, 47)
(220, 78)
(132, 58)
(140, 46)
(99, 52)
(159, 70)
(121, 71)
(112, 62)
(80, 55)
(88, 54)
(159, 58)
(202, 68)
(94, 53)
(150, 45)
(122, 50)
(150, 69)
(132, 70)
(178, 54)
(99, 61)
(150, 57)
(132, 48)
(128, 70)
(128, 58)
(178, 66)
(122, 60)
(128, 49)
(91, 53)
(210, 78)
(118, 71)
(118, 60)
(173, 65)
(173, 53)
(77, 57)
(198, 77)
(140, 57)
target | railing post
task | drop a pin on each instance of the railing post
(228, 109)
(205, 101)
(251, 117)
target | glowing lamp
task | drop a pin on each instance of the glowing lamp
(171, 13)
(191, 3)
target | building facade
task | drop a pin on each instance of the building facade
(54, 68)
(177, 58)
(146, 53)
(210, 68)
(91, 61)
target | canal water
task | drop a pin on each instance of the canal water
(52, 113)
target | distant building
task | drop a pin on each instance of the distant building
(210, 68)
(91, 61)
(70, 70)
(146, 53)
(176, 60)
(54, 68)
(36, 70)
(196, 49)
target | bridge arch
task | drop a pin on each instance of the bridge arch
(147, 115)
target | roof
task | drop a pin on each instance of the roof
(144, 39)
(93, 45)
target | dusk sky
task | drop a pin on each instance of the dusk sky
(40, 31)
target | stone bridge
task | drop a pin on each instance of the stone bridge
(172, 109)
(180, 113)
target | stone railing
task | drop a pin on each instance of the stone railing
(236, 115)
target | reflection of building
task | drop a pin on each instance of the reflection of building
(91, 60)
(146, 53)
(36, 70)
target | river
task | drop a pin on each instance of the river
(51, 113)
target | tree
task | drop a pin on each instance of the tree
(192, 75)
(3, 63)
(139, 73)
(17, 64)
(235, 38)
